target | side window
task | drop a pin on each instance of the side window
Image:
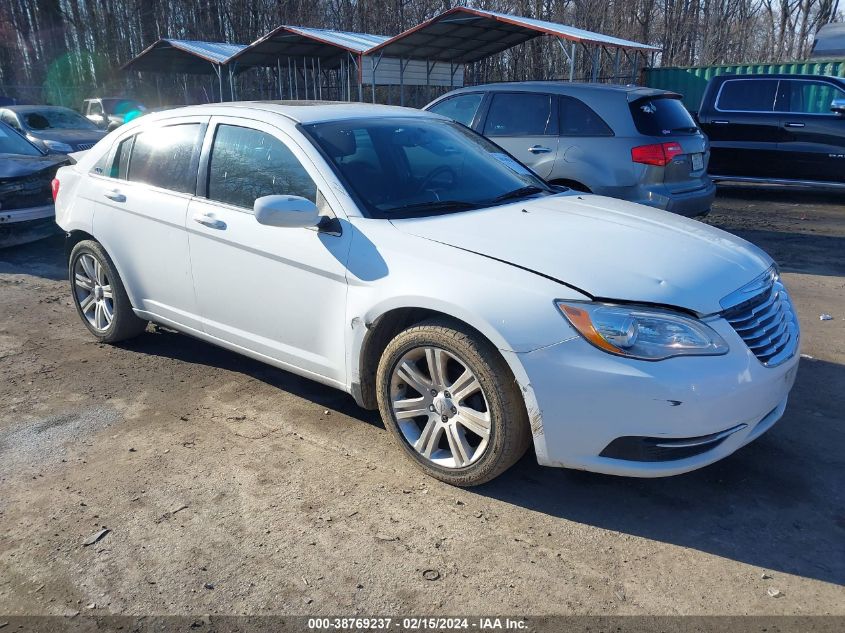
(115, 166)
(578, 119)
(162, 157)
(747, 95)
(94, 107)
(461, 108)
(247, 164)
(807, 97)
(519, 114)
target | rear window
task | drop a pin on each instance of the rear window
(162, 157)
(662, 116)
(747, 95)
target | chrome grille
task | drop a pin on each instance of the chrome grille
(767, 321)
(82, 146)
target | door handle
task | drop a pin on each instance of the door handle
(539, 149)
(794, 124)
(210, 221)
(720, 121)
(115, 195)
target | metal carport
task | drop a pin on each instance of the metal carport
(189, 57)
(300, 47)
(463, 36)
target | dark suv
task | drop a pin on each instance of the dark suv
(787, 129)
(627, 142)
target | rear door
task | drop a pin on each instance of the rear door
(140, 197)
(744, 129)
(813, 138)
(525, 124)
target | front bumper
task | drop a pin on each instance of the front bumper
(587, 399)
(21, 226)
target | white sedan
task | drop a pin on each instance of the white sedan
(408, 261)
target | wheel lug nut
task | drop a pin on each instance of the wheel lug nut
(444, 419)
(454, 410)
(446, 394)
(434, 392)
(431, 407)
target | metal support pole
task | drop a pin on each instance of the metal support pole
(320, 78)
(401, 82)
(279, 78)
(572, 62)
(596, 63)
(616, 67)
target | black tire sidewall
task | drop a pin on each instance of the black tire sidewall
(493, 384)
(120, 301)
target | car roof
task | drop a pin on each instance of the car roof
(305, 112)
(759, 76)
(34, 108)
(632, 92)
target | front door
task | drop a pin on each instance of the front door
(525, 124)
(279, 292)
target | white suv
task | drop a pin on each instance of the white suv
(403, 258)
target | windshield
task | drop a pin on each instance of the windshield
(662, 116)
(13, 143)
(37, 120)
(399, 167)
(122, 107)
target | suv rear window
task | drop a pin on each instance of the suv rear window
(662, 116)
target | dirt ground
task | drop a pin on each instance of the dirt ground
(232, 487)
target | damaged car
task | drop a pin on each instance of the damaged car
(26, 200)
(405, 259)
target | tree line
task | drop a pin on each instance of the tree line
(62, 50)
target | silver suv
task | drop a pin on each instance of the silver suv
(627, 142)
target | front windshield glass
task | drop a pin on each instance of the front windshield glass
(13, 143)
(37, 120)
(400, 167)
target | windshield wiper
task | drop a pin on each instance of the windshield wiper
(435, 205)
(522, 192)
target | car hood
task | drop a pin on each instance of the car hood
(605, 248)
(72, 137)
(18, 165)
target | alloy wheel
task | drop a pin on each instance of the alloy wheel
(93, 292)
(440, 407)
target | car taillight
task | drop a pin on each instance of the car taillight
(659, 154)
(54, 185)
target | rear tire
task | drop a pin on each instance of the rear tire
(450, 400)
(99, 296)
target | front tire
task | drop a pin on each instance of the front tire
(451, 402)
(99, 295)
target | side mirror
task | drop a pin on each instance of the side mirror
(286, 211)
(838, 106)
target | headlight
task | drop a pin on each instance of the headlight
(58, 146)
(642, 333)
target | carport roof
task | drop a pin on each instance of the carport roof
(183, 56)
(299, 41)
(464, 35)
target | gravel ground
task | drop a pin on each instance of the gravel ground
(231, 487)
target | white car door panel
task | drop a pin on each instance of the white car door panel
(280, 292)
(142, 227)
